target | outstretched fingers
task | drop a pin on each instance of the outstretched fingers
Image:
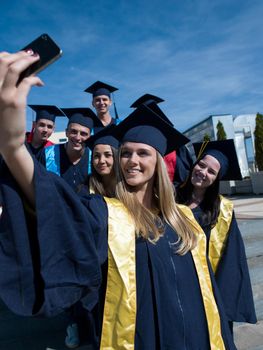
(12, 65)
(25, 86)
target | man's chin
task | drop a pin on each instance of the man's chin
(77, 148)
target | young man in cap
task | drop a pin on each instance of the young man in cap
(102, 100)
(42, 129)
(179, 161)
(71, 159)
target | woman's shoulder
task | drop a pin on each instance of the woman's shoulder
(226, 202)
(185, 209)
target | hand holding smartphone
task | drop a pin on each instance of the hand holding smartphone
(48, 52)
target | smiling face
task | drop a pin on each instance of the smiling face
(102, 104)
(138, 165)
(77, 135)
(102, 159)
(205, 172)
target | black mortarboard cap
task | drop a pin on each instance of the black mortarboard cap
(151, 102)
(99, 88)
(145, 126)
(156, 109)
(103, 137)
(83, 116)
(146, 99)
(225, 152)
(47, 112)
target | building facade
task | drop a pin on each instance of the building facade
(240, 128)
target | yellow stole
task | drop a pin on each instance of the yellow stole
(199, 257)
(219, 233)
(119, 318)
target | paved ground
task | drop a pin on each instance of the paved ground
(18, 333)
(249, 212)
(248, 207)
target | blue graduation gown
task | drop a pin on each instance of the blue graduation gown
(232, 275)
(65, 260)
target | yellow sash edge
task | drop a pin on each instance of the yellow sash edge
(200, 261)
(219, 232)
(119, 319)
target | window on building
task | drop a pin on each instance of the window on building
(249, 149)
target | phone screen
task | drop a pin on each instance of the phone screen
(48, 52)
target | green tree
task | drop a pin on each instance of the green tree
(258, 133)
(221, 134)
(206, 137)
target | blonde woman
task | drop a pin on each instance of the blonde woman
(137, 260)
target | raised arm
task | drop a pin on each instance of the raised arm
(13, 101)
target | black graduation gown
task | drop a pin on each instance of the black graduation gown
(183, 166)
(98, 128)
(74, 174)
(38, 153)
(70, 252)
(232, 275)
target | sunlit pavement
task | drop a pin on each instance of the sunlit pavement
(249, 213)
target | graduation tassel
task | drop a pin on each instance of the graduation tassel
(115, 111)
(114, 106)
(202, 149)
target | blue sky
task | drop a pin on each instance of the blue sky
(202, 57)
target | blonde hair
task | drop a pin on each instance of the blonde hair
(150, 223)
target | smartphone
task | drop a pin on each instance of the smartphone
(48, 52)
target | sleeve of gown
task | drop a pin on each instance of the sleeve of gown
(51, 259)
(233, 279)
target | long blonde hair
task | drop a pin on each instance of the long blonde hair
(150, 223)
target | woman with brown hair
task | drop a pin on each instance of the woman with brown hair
(102, 179)
(216, 161)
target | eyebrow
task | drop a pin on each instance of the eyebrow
(127, 148)
(203, 162)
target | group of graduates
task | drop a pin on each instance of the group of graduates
(119, 220)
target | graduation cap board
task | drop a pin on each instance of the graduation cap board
(99, 88)
(146, 99)
(143, 125)
(83, 116)
(225, 152)
(103, 137)
(151, 102)
(48, 112)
